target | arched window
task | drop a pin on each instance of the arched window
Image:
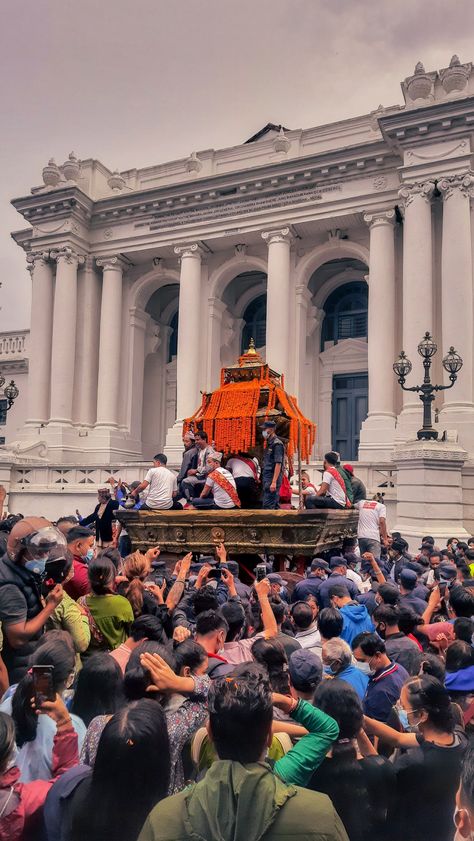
(173, 350)
(255, 327)
(346, 313)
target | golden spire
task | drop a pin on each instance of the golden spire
(251, 349)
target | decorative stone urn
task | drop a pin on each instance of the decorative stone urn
(455, 77)
(116, 181)
(281, 142)
(51, 174)
(193, 164)
(71, 168)
(419, 85)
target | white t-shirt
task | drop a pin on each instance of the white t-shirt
(162, 485)
(370, 513)
(221, 498)
(241, 470)
(335, 489)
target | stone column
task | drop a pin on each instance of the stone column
(64, 336)
(138, 325)
(87, 345)
(216, 309)
(109, 342)
(378, 430)
(457, 305)
(41, 330)
(189, 330)
(417, 292)
(278, 300)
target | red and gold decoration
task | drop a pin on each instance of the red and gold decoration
(249, 394)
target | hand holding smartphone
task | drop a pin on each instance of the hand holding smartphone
(43, 687)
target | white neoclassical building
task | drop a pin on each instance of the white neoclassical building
(334, 247)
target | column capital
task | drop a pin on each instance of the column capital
(216, 307)
(67, 255)
(303, 294)
(279, 235)
(34, 257)
(138, 318)
(189, 249)
(375, 218)
(462, 184)
(113, 263)
(424, 189)
(314, 319)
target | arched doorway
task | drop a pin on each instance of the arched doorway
(255, 323)
(340, 294)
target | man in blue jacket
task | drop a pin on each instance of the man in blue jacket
(354, 615)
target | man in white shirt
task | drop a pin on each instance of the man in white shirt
(332, 491)
(372, 528)
(245, 471)
(221, 484)
(162, 484)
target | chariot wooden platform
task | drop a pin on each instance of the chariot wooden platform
(288, 532)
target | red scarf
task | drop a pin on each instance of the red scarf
(337, 476)
(250, 463)
(226, 486)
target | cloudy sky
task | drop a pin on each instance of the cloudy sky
(135, 82)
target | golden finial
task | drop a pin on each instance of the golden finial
(251, 349)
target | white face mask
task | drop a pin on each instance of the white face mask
(265, 433)
(365, 668)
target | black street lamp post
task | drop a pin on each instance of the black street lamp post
(452, 363)
(11, 391)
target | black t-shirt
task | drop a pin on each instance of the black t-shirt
(363, 797)
(427, 781)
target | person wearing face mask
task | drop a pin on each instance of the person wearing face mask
(211, 632)
(386, 678)
(398, 646)
(464, 812)
(431, 765)
(272, 470)
(319, 571)
(81, 544)
(337, 659)
(23, 609)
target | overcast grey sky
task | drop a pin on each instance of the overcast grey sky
(136, 82)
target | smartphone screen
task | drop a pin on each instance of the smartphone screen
(43, 684)
(260, 572)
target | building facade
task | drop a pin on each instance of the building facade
(333, 247)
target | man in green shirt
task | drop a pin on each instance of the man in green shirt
(241, 797)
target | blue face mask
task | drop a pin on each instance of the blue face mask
(89, 556)
(328, 670)
(403, 718)
(37, 566)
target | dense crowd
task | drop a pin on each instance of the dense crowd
(142, 701)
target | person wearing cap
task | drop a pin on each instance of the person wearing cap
(102, 517)
(318, 573)
(23, 611)
(221, 484)
(397, 553)
(338, 575)
(277, 586)
(358, 488)
(408, 582)
(306, 672)
(335, 490)
(190, 456)
(273, 463)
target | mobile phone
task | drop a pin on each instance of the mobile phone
(442, 588)
(43, 686)
(216, 572)
(260, 572)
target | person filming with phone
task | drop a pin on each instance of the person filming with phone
(24, 609)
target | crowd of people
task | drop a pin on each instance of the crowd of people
(141, 701)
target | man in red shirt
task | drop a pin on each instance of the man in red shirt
(80, 543)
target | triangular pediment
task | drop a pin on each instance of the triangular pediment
(345, 349)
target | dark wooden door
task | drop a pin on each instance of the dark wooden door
(349, 410)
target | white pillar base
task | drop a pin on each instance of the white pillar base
(459, 417)
(429, 491)
(174, 447)
(377, 436)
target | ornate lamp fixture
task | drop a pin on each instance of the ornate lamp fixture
(452, 363)
(11, 391)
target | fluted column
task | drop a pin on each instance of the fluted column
(87, 345)
(109, 342)
(457, 303)
(41, 330)
(378, 430)
(64, 335)
(278, 299)
(417, 290)
(189, 330)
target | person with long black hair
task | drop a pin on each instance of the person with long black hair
(428, 772)
(130, 776)
(34, 734)
(359, 782)
(99, 689)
